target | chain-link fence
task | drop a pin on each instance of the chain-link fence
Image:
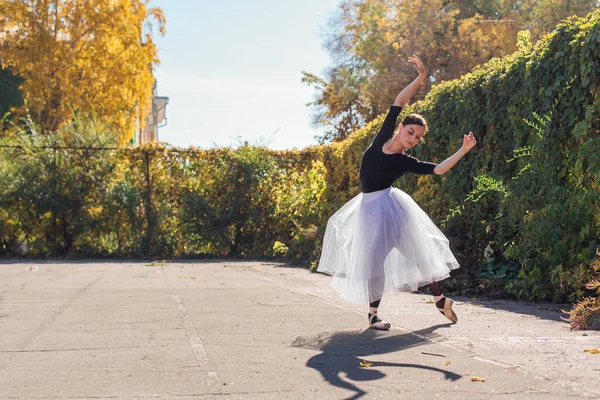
(153, 201)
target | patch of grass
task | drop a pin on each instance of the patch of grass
(157, 263)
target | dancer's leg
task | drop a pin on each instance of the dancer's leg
(374, 321)
(436, 290)
(373, 318)
(445, 307)
(376, 284)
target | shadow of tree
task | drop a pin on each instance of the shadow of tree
(341, 354)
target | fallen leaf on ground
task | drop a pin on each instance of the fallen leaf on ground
(592, 351)
(365, 364)
(447, 362)
(477, 379)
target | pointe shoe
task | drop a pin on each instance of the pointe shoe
(376, 323)
(447, 310)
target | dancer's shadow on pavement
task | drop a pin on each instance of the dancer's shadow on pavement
(342, 353)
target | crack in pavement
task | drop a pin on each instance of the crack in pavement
(159, 396)
(48, 321)
(84, 349)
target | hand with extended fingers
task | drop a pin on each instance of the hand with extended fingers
(469, 141)
(419, 66)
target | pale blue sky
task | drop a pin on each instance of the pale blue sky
(232, 68)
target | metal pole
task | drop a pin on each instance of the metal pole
(149, 216)
(55, 222)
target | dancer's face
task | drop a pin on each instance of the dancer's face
(411, 135)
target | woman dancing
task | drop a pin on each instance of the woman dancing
(381, 240)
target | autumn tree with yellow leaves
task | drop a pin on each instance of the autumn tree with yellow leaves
(370, 41)
(86, 57)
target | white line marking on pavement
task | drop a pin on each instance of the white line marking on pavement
(197, 345)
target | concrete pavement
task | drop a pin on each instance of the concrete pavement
(253, 330)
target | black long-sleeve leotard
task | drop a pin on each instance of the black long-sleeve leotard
(379, 170)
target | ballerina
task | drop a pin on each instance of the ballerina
(381, 240)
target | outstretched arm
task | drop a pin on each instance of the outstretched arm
(410, 90)
(468, 143)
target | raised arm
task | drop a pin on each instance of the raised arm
(408, 92)
(468, 143)
(387, 129)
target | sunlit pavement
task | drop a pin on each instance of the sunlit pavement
(253, 330)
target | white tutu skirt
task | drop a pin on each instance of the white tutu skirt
(383, 241)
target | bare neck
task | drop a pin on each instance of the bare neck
(393, 146)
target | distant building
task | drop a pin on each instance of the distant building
(146, 129)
